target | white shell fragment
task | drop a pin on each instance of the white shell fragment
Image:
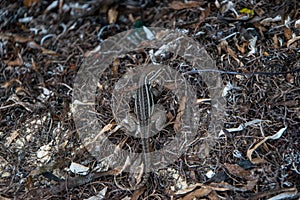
(78, 169)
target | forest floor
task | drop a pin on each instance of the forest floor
(255, 46)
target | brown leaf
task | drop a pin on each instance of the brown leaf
(291, 41)
(138, 193)
(112, 15)
(180, 113)
(33, 45)
(34, 66)
(10, 82)
(233, 55)
(287, 33)
(201, 192)
(238, 171)
(242, 47)
(178, 5)
(17, 62)
(275, 39)
(29, 3)
(115, 67)
(48, 52)
(16, 38)
(259, 11)
(205, 13)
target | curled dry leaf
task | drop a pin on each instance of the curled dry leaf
(268, 21)
(34, 45)
(273, 137)
(17, 62)
(291, 41)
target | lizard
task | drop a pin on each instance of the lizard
(145, 112)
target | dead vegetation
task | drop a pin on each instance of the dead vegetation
(256, 48)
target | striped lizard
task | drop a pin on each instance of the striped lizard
(145, 114)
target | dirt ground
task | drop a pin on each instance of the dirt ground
(256, 47)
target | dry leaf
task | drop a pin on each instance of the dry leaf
(34, 65)
(259, 11)
(178, 5)
(4, 198)
(287, 33)
(137, 193)
(115, 66)
(17, 62)
(275, 39)
(291, 41)
(12, 137)
(223, 186)
(48, 52)
(112, 15)
(188, 189)
(242, 47)
(233, 55)
(180, 113)
(238, 171)
(268, 21)
(273, 137)
(29, 3)
(201, 192)
(10, 82)
(205, 13)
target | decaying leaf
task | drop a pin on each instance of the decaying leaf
(273, 137)
(113, 15)
(240, 172)
(29, 3)
(242, 126)
(268, 21)
(178, 5)
(12, 137)
(115, 66)
(34, 45)
(287, 33)
(275, 39)
(199, 193)
(291, 41)
(180, 112)
(17, 62)
(241, 48)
